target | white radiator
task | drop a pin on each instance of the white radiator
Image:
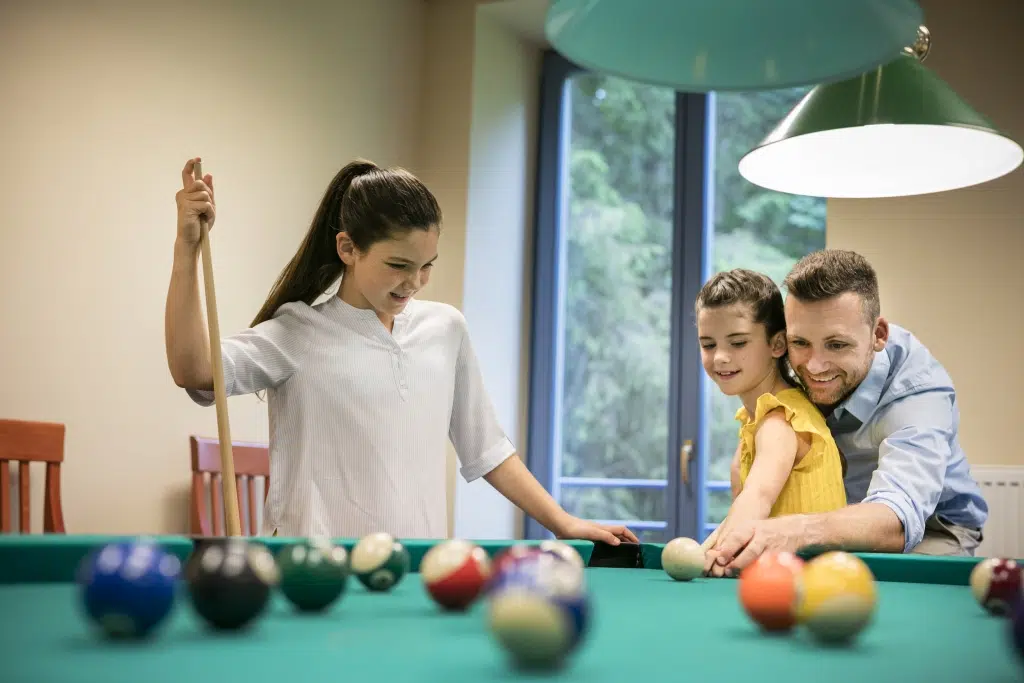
(1003, 488)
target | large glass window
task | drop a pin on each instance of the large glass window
(639, 201)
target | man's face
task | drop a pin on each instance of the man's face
(832, 344)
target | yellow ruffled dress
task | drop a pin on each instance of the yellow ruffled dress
(816, 483)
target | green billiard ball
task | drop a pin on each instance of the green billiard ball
(379, 561)
(314, 573)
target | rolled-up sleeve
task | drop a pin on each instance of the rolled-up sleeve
(915, 448)
(479, 440)
(263, 356)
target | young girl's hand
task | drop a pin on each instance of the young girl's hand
(195, 200)
(613, 534)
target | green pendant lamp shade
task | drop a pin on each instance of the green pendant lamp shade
(898, 130)
(705, 45)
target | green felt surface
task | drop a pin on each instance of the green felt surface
(645, 627)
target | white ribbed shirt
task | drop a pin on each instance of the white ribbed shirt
(360, 417)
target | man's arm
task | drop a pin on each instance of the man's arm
(915, 433)
(864, 527)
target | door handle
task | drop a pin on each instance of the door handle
(684, 460)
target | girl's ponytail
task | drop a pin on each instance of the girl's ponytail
(316, 264)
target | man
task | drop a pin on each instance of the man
(893, 412)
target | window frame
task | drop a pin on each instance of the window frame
(692, 217)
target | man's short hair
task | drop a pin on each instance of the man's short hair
(825, 274)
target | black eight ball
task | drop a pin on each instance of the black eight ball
(230, 581)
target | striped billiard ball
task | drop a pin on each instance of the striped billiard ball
(455, 573)
(997, 584)
(128, 589)
(539, 612)
(379, 561)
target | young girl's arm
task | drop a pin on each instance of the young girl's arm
(514, 481)
(777, 449)
(254, 359)
(734, 472)
(185, 332)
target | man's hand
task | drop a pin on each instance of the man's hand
(746, 540)
(863, 527)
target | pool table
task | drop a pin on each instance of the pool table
(646, 627)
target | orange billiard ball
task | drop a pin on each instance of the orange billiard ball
(769, 590)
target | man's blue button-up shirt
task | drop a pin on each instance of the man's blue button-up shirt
(899, 433)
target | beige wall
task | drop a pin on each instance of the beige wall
(101, 105)
(478, 134)
(950, 263)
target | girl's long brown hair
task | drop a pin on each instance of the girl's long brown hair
(369, 203)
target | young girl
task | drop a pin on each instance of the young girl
(365, 388)
(786, 461)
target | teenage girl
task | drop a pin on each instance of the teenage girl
(786, 461)
(366, 388)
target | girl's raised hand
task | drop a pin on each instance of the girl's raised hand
(195, 199)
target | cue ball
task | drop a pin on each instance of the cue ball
(838, 597)
(540, 611)
(314, 574)
(997, 584)
(128, 589)
(455, 573)
(379, 561)
(769, 590)
(683, 559)
(230, 581)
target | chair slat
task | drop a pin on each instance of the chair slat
(5, 496)
(25, 511)
(250, 460)
(25, 442)
(216, 504)
(253, 504)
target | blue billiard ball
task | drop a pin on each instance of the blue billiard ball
(128, 588)
(539, 611)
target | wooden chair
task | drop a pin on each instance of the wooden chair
(26, 442)
(251, 460)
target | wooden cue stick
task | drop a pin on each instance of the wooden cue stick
(232, 518)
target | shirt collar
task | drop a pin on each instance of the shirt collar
(864, 399)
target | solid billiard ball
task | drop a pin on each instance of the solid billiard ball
(508, 559)
(455, 573)
(838, 597)
(997, 584)
(683, 559)
(769, 590)
(540, 611)
(379, 561)
(230, 581)
(127, 589)
(314, 574)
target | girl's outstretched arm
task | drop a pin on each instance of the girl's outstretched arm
(514, 481)
(777, 449)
